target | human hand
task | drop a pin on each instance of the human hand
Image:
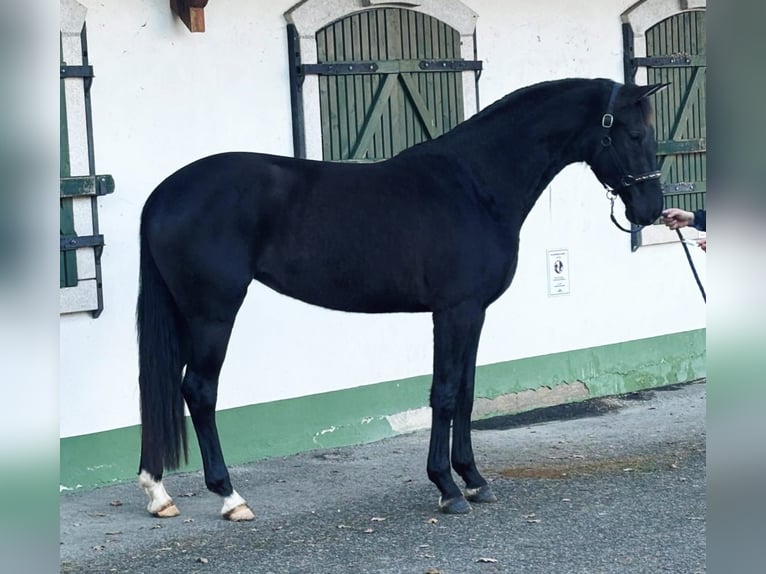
(702, 242)
(676, 218)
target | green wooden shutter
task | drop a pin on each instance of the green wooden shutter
(676, 53)
(85, 189)
(67, 259)
(372, 116)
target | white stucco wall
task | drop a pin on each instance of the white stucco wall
(163, 97)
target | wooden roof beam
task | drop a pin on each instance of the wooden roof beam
(191, 12)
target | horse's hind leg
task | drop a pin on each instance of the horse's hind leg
(456, 336)
(160, 503)
(477, 489)
(209, 339)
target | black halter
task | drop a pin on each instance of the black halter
(626, 179)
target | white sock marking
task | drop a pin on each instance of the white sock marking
(158, 496)
(232, 501)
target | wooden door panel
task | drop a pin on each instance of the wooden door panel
(676, 55)
(375, 115)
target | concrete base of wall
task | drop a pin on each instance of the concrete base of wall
(381, 410)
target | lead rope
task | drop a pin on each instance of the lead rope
(611, 196)
(691, 264)
(680, 237)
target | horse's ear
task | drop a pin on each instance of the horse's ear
(636, 93)
(631, 94)
(653, 89)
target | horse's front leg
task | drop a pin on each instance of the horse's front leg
(476, 487)
(200, 390)
(456, 337)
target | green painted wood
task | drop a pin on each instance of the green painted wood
(673, 147)
(417, 108)
(685, 199)
(63, 124)
(86, 185)
(682, 123)
(67, 259)
(360, 414)
(372, 124)
(341, 103)
(397, 104)
(425, 49)
(324, 97)
(386, 135)
(424, 114)
(680, 110)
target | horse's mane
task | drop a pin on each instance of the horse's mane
(516, 100)
(517, 97)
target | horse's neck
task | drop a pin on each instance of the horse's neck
(513, 155)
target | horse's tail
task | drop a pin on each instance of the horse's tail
(160, 333)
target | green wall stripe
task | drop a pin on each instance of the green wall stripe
(357, 415)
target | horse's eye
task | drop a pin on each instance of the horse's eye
(636, 135)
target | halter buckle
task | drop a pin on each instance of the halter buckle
(607, 121)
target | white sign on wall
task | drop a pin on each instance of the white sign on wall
(558, 272)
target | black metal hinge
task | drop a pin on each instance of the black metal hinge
(672, 61)
(679, 188)
(85, 72)
(450, 65)
(339, 69)
(388, 67)
(72, 242)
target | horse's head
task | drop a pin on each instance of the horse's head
(625, 158)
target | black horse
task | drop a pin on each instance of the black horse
(434, 229)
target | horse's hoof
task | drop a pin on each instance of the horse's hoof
(481, 494)
(168, 511)
(457, 505)
(239, 513)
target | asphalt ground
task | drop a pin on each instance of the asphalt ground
(612, 485)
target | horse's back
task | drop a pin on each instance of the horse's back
(385, 237)
(395, 236)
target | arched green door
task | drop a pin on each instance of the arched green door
(676, 48)
(372, 115)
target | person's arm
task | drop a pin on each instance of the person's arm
(699, 221)
(676, 218)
